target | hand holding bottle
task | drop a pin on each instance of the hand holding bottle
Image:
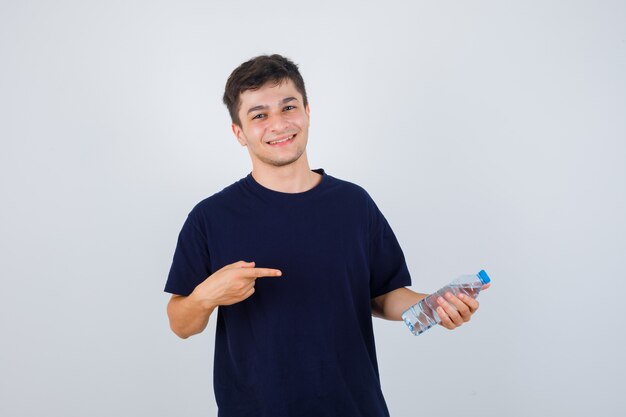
(456, 310)
(450, 307)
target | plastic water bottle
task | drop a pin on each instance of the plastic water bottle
(423, 315)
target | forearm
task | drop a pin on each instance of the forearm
(390, 306)
(187, 315)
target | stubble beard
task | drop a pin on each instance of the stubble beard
(267, 159)
(282, 162)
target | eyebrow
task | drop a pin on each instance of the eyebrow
(262, 107)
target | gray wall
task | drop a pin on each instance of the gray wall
(491, 134)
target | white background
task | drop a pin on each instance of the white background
(491, 135)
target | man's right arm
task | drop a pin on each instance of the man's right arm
(233, 283)
(188, 315)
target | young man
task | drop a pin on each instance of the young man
(297, 261)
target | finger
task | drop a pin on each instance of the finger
(452, 313)
(484, 287)
(263, 272)
(248, 293)
(445, 319)
(238, 264)
(462, 308)
(471, 302)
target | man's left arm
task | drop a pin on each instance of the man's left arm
(453, 310)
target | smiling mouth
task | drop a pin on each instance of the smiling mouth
(282, 141)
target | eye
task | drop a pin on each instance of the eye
(289, 107)
(258, 116)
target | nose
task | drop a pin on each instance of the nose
(279, 123)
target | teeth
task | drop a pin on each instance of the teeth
(279, 141)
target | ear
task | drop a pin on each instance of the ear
(307, 109)
(238, 134)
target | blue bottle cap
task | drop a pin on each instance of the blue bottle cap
(484, 277)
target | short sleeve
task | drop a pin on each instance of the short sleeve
(191, 264)
(388, 269)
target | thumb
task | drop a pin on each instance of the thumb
(239, 264)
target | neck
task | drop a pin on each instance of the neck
(293, 178)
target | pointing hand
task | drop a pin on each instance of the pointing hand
(231, 284)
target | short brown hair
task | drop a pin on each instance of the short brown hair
(255, 73)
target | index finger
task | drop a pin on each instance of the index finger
(261, 272)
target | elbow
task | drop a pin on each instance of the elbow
(175, 326)
(184, 332)
(179, 333)
(177, 330)
(186, 319)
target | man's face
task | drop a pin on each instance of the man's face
(270, 114)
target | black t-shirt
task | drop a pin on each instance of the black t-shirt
(302, 344)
